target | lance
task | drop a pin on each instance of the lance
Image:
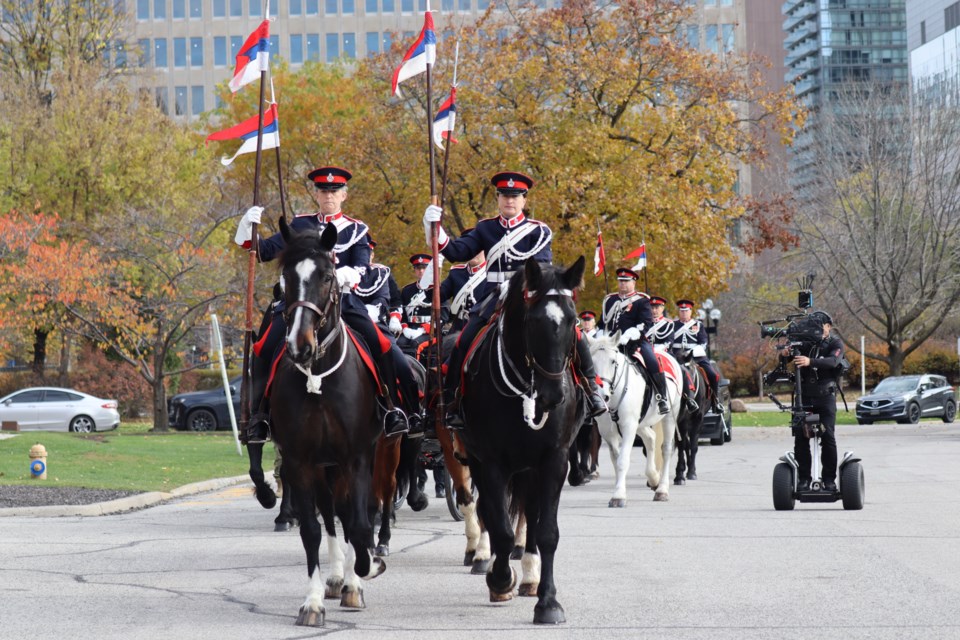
(606, 284)
(450, 117)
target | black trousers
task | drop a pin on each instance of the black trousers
(826, 406)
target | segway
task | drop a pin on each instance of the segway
(850, 489)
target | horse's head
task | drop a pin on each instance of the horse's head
(309, 279)
(540, 304)
(604, 352)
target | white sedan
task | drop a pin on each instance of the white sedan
(54, 409)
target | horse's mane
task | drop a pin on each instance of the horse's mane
(302, 245)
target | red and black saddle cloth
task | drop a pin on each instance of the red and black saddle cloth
(668, 365)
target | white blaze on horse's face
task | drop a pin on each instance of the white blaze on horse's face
(554, 312)
(304, 269)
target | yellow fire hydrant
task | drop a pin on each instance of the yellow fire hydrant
(38, 462)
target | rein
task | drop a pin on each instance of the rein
(330, 310)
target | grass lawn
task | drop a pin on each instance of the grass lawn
(130, 458)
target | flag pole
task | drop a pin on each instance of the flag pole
(606, 284)
(251, 268)
(283, 199)
(446, 151)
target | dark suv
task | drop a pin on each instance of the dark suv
(203, 410)
(715, 428)
(906, 399)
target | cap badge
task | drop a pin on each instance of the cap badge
(329, 177)
(510, 183)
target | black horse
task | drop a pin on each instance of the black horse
(690, 422)
(325, 421)
(522, 409)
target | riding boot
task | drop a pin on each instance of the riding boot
(717, 403)
(660, 382)
(451, 399)
(257, 428)
(595, 404)
(394, 420)
(691, 400)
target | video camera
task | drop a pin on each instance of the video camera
(795, 334)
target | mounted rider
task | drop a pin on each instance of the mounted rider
(507, 241)
(661, 331)
(691, 335)
(416, 306)
(628, 311)
(353, 260)
(460, 288)
(375, 292)
(588, 324)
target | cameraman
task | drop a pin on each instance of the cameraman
(819, 373)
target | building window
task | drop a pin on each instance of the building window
(350, 45)
(296, 7)
(313, 46)
(726, 3)
(482, 5)
(406, 6)
(255, 7)
(710, 35)
(196, 52)
(330, 7)
(180, 101)
(235, 43)
(923, 32)
(951, 16)
(274, 7)
(296, 48)
(143, 9)
(163, 100)
(386, 42)
(313, 7)
(196, 8)
(464, 5)
(373, 43)
(693, 36)
(446, 6)
(727, 36)
(388, 6)
(219, 8)
(159, 9)
(179, 10)
(274, 45)
(179, 52)
(333, 46)
(423, 6)
(347, 7)
(220, 51)
(144, 46)
(121, 54)
(196, 99)
(370, 6)
(236, 8)
(160, 52)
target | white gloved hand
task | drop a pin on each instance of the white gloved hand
(347, 278)
(245, 228)
(373, 310)
(631, 334)
(412, 334)
(395, 326)
(426, 281)
(433, 214)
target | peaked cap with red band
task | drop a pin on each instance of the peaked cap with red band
(419, 260)
(685, 304)
(511, 183)
(330, 178)
(626, 274)
(588, 315)
(658, 300)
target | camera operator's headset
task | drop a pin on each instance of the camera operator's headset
(844, 365)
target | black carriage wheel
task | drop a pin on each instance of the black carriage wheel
(401, 495)
(949, 411)
(783, 499)
(913, 413)
(452, 505)
(82, 424)
(852, 489)
(201, 420)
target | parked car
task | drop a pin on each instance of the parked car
(906, 399)
(55, 409)
(203, 410)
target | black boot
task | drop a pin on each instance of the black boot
(451, 384)
(595, 404)
(660, 382)
(257, 430)
(691, 402)
(395, 423)
(394, 420)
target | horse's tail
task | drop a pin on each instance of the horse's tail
(264, 492)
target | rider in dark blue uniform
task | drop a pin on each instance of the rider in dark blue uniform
(628, 312)
(507, 240)
(374, 289)
(416, 306)
(353, 260)
(691, 335)
(459, 288)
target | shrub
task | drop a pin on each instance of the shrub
(100, 376)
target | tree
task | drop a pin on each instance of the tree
(883, 226)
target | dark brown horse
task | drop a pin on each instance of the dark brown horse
(522, 409)
(325, 421)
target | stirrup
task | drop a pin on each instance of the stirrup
(662, 405)
(257, 430)
(395, 423)
(691, 403)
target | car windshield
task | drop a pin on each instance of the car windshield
(897, 385)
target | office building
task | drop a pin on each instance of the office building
(934, 44)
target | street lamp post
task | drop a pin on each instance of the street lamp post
(710, 316)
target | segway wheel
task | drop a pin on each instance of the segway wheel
(851, 486)
(783, 499)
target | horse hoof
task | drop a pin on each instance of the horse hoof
(266, 497)
(377, 566)
(517, 553)
(310, 618)
(679, 480)
(504, 592)
(468, 558)
(352, 599)
(382, 551)
(617, 503)
(283, 525)
(661, 497)
(418, 504)
(691, 475)
(548, 614)
(593, 476)
(479, 567)
(528, 589)
(332, 588)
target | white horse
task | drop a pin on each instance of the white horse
(624, 388)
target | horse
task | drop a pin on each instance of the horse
(583, 454)
(632, 411)
(522, 408)
(325, 420)
(690, 422)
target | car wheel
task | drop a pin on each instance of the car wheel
(950, 411)
(201, 420)
(864, 421)
(82, 424)
(913, 413)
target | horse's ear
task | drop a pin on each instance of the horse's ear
(284, 229)
(328, 237)
(573, 277)
(533, 274)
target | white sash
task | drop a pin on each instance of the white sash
(460, 300)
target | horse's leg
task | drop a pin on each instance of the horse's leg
(492, 504)
(334, 583)
(530, 559)
(648, 435)
(621, 458)
(550, 478)
(287, 517)
(264, 492)
(682, 448)
(385, 460)
(694, 447)
(669, 428)
(460, 478)
(594, 451)
(359, 535)
(576, 476)
(482, 553)
(312, 612)
(409, 464)
(520, 537)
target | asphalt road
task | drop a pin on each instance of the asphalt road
(716, 561)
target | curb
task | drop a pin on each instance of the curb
(139, 501)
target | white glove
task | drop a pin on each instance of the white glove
(631, 334)
(373, 310)
(433, 214)
(245, 229)
(395, 326)
(347, 278)
(412, 334)
(426, 281)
